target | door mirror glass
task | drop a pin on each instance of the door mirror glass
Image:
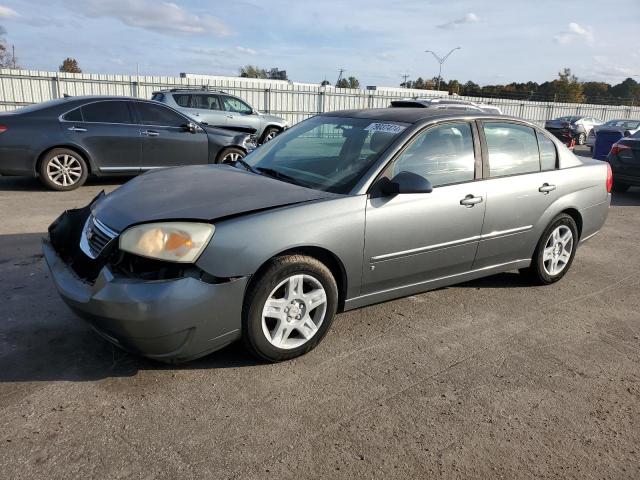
(405, 182)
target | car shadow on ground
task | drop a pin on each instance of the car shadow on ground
(42, 340)
(30, 184)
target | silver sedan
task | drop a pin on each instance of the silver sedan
(341, 211)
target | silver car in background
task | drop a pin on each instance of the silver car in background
(220, 109)
(343, 210)
(623, 125)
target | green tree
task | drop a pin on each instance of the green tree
(70, 65)
(628, 89)
(595, 92)
(7, 59)
(567, 88)
(454, 87)
(325, 82)
(252, 71)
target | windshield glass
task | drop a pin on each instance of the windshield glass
(626, 124)
(326, 153)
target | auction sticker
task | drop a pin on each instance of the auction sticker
(385, 127)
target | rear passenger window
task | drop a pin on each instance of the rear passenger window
(443, 155)
(182, 99)
(107, 112)
(513, 149)
(548, 154)
(205, 102)
(73, 116)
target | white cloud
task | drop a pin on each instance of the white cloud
(245, 50)
(573, 33)
(6, 12)
(468, 18)
(159, 16)
(222, 52)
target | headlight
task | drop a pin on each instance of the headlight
(250, 143)
(181, 242)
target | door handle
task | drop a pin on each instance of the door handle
(76, 129)
(469, 201)
(229, 116)
(150, 133)
(546, 188)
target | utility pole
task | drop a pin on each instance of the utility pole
(342, 70)
(404, 80)
(441, 60)
(13, 56)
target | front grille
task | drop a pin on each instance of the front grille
(95, 237)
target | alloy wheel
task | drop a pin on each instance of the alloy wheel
(231, 157)
(64, 170)
(270, 136)
(557, 250)
(294, 311)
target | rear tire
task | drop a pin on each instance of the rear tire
(289, 308)
(62, 170)
(618, 187)
(230, 155)
(555, 251)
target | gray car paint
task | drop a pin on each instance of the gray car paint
(110, 149)
(385, 247)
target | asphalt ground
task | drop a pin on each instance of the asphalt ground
(488, 379)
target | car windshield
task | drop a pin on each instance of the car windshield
(326, 153)
(569, 119)
(626, 124)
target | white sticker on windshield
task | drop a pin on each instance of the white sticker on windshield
(385, 127)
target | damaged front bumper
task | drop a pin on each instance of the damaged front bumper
(171, 320)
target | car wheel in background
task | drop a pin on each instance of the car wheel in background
(618, 187)
(289, 308)
(269, 134)
(555, 251)
(230, 155)
(63, 170)
(582, 138)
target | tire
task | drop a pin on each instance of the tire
(618, 187)
(269, 134)
(230, 154)
(582, 138)
(62, 169)
(542, 271)
(281, 331)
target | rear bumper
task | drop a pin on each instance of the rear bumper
(170, 320)
(624, 173)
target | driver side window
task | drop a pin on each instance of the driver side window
(234, 105)
(443, 155)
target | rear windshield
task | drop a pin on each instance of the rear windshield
(626, 124)
(40, 106)
(569, 119)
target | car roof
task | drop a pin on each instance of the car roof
(410, 115)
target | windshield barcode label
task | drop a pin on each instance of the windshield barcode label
(385, 127)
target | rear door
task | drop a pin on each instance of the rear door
(522, 181)
(105, 129)
(413, 238)
(165, 140)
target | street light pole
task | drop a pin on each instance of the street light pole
(441, 60)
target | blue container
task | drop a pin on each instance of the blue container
(604, 140)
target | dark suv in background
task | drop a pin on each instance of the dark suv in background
(221, 109)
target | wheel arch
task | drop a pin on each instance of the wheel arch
(328, 258)
(577, 217)
(279, 128)
(80, 151)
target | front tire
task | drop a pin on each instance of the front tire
(289, 308)
(582, 138)
(555, 251)
(62, 170)
(269, 134)
(230, 155)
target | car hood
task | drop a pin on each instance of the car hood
(273, 119)
(204, 193)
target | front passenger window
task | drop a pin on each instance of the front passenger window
(443, 155)
(513, 149)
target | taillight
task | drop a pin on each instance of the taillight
(609, 178)
(617, 148)
(3, 128)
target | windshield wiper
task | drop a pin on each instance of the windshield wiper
(245, 165)
(281, 176)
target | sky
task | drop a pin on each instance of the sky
(377, 41)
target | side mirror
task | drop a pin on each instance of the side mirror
(627, 133)
(190, 127)
(404, 182)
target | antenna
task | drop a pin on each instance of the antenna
(342, 70)
(404, 80)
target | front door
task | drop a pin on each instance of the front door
(414, 238)
(239, 114)
(165, 140)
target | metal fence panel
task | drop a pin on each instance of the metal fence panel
(293, 101)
